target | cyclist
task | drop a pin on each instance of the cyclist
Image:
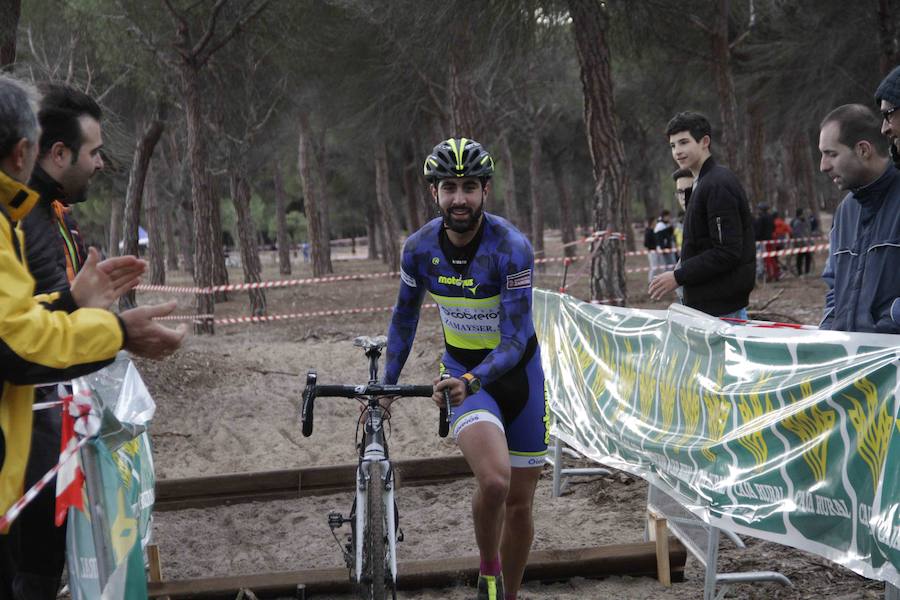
(478, 268)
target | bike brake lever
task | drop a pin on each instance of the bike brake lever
(444, 424)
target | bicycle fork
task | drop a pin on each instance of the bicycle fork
(375, 454)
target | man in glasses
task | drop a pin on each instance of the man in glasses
(888, 98)
(684, 183)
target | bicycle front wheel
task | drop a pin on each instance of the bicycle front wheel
(374, 540)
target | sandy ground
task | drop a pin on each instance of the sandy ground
(230, 403)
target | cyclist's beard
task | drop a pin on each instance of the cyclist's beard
(463, 223)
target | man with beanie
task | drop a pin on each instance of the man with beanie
(887, 96)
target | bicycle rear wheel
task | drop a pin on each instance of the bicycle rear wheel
(374, 540)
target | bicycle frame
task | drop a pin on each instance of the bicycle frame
(373, 469)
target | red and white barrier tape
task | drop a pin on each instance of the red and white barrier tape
(767, 324)
(16, 509)
(354, 311)
(281, 317)
(45, 405)
(790, 251)
(239, 287)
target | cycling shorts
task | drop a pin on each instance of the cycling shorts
(516, 403)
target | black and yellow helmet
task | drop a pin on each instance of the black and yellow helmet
(458, 157)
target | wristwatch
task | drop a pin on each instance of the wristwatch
(473, 384)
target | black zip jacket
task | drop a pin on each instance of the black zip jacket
(718, 253)
(45, 246)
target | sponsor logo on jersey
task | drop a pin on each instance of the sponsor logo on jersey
(471, 320)
(467, 284)
(519, 281)
(435, 260)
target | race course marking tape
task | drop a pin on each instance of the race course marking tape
(238, 287)
(282, 317)
(16, 509)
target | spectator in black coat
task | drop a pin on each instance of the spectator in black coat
(718, 256)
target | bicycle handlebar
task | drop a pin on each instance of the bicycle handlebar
(374, 389)
(313, 389)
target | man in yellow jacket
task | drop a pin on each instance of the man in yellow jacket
(57, 336)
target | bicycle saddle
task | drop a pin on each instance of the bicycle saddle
(368, 343)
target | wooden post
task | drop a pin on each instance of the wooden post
(659, 532)
(155, 573)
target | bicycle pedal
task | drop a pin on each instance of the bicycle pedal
(336, 519)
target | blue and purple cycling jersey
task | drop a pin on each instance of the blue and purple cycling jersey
(488, 331)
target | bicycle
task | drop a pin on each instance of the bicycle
(371, 549)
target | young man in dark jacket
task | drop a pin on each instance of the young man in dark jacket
(718, 254)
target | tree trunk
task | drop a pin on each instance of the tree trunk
(156, 252)
(391, 245)
(201, 195)
(186, 236)
(809, 181)
(645, 175)
(509, 182)
(462, 102)
(564, 196)
(413, 193)
(9, 24)
(371, 234)
(140, 164)
(220, 269)
(590, 23)
(168, 222)
(427, 210)
(382, 242)
(179, 212)
(282, 238)
(534, 193)
(320, 250)
(802, 171)
(115, 228)
(887, 35)
(756, 139)
(463, 105)
(721, 59)
(240, 196)
(324, 212)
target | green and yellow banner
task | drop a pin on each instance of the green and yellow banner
(105, 542)
(784, 434)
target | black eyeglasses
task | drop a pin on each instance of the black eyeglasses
(887, 113)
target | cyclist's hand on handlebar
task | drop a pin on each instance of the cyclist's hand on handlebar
(457, 391)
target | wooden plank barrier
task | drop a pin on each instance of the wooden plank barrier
(638, 559)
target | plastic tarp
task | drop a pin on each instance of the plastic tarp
(784, 434)
(119, 468)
